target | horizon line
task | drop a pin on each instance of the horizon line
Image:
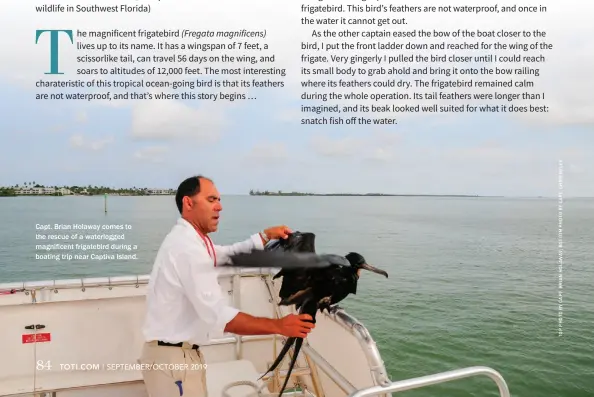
(565, 197)
(294, 193)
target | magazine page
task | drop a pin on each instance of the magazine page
(316, 198)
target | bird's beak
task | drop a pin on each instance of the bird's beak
(374, 269)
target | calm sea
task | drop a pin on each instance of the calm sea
(473, 281)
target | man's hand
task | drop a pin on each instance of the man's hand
(294, 325)
(277, 232)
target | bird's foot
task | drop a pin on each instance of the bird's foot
(324, 304)
(334, 309)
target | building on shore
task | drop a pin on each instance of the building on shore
(155, 191)
(43, 191)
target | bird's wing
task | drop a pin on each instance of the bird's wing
(279, 259)
(335, 259)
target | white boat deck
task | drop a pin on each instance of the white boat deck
(81, 338)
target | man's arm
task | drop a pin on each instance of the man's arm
(255, 242)
(223, 252)
(200, 283)
(245, 324)
(290, 326)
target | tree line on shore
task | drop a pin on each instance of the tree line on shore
(89, 190)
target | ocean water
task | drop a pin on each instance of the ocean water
(473, 281)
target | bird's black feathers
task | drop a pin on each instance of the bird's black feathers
(311, 282)
(285, 260)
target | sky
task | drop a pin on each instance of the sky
(260, 144)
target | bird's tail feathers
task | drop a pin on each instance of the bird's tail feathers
(306, 308)
(280, 356)
(298, 344)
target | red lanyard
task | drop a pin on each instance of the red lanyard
(209, 247)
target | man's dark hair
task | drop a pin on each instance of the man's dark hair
(189, 187)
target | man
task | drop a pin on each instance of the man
(185, 305)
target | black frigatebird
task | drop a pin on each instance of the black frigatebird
(311, 282)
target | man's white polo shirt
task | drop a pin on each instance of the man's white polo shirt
(184, 299)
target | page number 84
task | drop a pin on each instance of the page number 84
(43, 365)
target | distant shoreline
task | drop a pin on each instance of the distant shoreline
(300, 194)
(75, 191)
(10, 194)
(34, 189)
(306, 195)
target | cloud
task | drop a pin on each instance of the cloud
(267, 153)
(575, 169)
(78, 141)
(289, 115)
(485, 153)
(339, 147)
(385, 138)
(171, 120)
(152, 154)
(375, 146)
(82, 116)
(382, 155)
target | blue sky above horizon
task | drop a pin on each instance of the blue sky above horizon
(259, 144)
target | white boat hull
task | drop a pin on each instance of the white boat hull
(82, 338)
(91, 339)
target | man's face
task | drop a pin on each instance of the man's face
(205, 207)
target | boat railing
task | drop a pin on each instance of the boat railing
(428, 380)
(423, 381)
(115, 281)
